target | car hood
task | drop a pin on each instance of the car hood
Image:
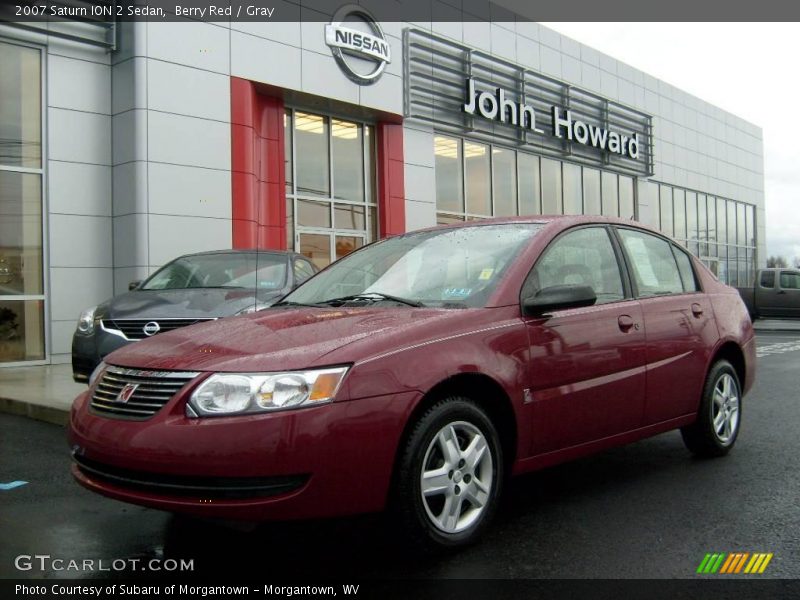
(289, 338)
(200, 303)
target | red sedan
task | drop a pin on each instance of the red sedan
(420, 371)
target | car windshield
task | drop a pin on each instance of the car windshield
(448, 268)
(250, 270)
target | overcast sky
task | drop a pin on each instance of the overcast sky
(749, 69)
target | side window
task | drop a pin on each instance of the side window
(768, 279)
(302, 270)
(581, 257)
(686, 270)
(654, 267)
(790, 281)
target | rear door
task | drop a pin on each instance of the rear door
(586, 373)
(679, 327)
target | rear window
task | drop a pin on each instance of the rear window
(768, 279)
(790, 281)
(654, 267)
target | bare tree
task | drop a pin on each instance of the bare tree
(777, 262)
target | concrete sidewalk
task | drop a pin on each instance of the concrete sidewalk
(46, 393)
(43, 393)
(784, 325)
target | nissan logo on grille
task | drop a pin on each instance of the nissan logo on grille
(358, 44)
(151, 328)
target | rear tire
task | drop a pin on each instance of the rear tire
(720, 415)
(449, 476)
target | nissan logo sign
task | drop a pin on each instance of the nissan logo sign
(151, 328)
(362, 55)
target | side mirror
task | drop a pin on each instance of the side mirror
(134, 284)
(557, 297)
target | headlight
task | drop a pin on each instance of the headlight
(96, 373)
(253, 308)
(86, 321)
(235, 393)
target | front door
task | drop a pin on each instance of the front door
(586, 372)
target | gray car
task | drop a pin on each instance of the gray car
(190, 289)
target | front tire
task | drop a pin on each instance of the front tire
(450, 475)
(719, 418)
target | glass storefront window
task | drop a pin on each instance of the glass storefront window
(691, 215)
(591, 191)
(312, 154)
(449, 174)
(648, 202)
(551, 187)
(722, 230)
(573, 189)
(504, 178)
(530, 200)
(610, 197)
(348, 160)
(477, 179)
(22, 300)
(329, 212)
(665, 202)
(702, 224)
(741, 226)
(731, 206)
(713, 234)
(750, 224)
(20, 234)
(679, 213)
(20, 106)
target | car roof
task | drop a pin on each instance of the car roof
(560, 221)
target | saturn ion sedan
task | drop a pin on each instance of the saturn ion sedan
(417, 373)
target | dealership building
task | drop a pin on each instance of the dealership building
(123, 146)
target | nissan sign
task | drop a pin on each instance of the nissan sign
(362, 55)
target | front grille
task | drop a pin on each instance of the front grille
(133, 329)
(151, 391)
(191, 485)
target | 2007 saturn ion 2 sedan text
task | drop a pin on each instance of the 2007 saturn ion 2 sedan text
(418, 372)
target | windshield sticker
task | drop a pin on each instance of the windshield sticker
(456, 292)
(486, 274)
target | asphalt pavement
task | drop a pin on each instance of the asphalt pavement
(648, 510)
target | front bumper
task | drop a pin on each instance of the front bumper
(331, 460)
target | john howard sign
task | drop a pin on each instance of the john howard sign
(495, 106)
(468, 92)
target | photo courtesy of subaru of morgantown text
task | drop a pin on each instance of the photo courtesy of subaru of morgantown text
(416, 374)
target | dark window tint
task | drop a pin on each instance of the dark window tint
(768, 279)
(581, 257)
(686, 270)
(654, 267)
(790, 281)
(302, 270)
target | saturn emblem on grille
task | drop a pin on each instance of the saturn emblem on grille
(151, 328)
(125, 393)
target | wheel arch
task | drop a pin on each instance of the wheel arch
(487, 393)
(732, 352)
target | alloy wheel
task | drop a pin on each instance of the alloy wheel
(457, 476)
(725, 409)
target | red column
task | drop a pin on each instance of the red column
(391, 180)
(258, 181)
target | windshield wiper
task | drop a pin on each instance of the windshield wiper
(376, 296)
(290, 303)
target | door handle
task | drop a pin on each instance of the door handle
(625, 323)
(782, 292)
(697, 310)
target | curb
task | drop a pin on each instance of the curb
(48, 414)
